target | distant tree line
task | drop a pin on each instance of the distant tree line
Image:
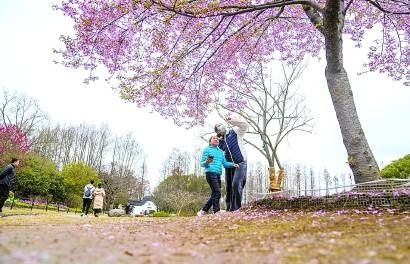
(58, 160)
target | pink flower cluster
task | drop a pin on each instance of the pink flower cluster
(175, 56)
(13, 140)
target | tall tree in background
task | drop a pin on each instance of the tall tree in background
(126, 170)
(257, 180)
(328, 180)
(196, 155)
(126, 155)
(312, 181)
(273, 111)
(177, 163)
(144, 183)
(83, 143)
(174, 55)
(21, 111)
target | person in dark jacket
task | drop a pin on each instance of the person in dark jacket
(7, 179)
(88, 197)
(231, 142)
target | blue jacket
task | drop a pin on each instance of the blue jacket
(217, 162)
(7, 175)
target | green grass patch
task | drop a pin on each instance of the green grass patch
(161, 214)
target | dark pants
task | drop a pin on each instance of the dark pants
(235, 180)
(229, 172)
(97, 211)
(4, 194)
(86, 205)
(214, 181)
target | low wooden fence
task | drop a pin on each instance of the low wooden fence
(389, 193)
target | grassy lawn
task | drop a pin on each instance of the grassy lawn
(241, 237)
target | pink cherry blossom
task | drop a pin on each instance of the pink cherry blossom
(13, 141)
(174, 56)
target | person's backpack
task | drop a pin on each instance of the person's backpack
(87, 192)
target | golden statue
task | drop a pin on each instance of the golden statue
(275, 181)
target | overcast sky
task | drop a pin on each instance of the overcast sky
(29, 31)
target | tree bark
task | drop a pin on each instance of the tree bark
(360, 156)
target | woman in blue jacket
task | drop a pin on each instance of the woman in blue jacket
(212, 160)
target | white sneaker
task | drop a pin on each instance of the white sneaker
(200, 213)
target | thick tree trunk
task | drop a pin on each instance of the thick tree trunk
(360, 156)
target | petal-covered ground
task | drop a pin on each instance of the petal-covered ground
(244, 237)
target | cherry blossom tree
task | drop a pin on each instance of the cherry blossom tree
(274, 111)
(13, 142)
(175, 55)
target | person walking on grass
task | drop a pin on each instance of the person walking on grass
(99, 195)
(231, 142)
(212, 160)
(87, 197)
(7, 179)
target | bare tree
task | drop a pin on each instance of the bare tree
(305, 179)
(165, 169)
(328, 180)
(177, 163)
(197, 154)
(312, 180)
(273, 112)
(250, 182)
(260, 177)
(336, 181)
(143, 184)
(343, 177)
(46, 144)
(64, 145)
(256, 181)
(104, 135)
(22, 111)
(298, 177)
(81, 142)
(127, 169)
(126, 154)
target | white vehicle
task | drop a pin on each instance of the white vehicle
(143, 207)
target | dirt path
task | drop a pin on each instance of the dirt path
(257, 237)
